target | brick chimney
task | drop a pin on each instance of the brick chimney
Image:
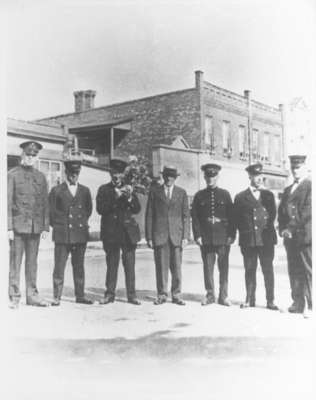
(84, 100)
(198, 79)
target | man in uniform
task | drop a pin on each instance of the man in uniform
(70, 208)
(213, 231)
(28, 220)
(255, 212)
(117, 203)
(295, 226)
(167, 226)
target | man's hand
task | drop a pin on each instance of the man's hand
(10, 235)
(184, 242)
(199, 241)
(150, 244)
(44, 235)
(230, 241)
(286, 234)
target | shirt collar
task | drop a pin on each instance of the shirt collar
(253, 189)
(75, 185)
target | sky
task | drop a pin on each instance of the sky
(130, 49)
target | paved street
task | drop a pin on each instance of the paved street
(160, 352)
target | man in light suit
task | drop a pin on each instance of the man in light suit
(295, 226)
(70, 208)
(167, 231)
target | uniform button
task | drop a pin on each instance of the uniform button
(80, 225)
(70, 226)
(255, 218)
(256, 227)
(70, 216)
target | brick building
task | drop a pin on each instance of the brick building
(218, 124)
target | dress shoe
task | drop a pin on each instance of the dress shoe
(295, 309)
(248, 304)
(84, 300)
(272, 306)
(134, 301)
(55, 303)
(14, 304)
(160, 300)
(37, 303)
(224, 302)
(207, 301)
(106, 300)
(179, 302)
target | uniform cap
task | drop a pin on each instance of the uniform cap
(31, 147)
(118, 165)
(297, 160)
(255, 169)
(211, 169)
(170, 170)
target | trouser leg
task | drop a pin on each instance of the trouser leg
(16, 254)
(296, 273)
(31, 252)
(222, 261)
(208, 256)
(250, 257)
(175, 269)
(61, 253)
(112, 262)
(128, 260)
(266, 256)
(306, 261)
(77, 260)
(162, 263)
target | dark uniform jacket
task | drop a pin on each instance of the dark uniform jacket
(167, 218)
(212, 216)
(254, 219)
(69, 214)
(295, 212)
(118, 226)
(27, 200)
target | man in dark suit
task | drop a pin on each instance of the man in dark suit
(295, 226)
(70, 209)
(117, 203)
(28, 221)
(254, 214)
(167, 231)
(213, 231)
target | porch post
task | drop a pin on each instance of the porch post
(111, 142)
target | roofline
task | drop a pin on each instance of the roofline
(100, 126)
(116, 104)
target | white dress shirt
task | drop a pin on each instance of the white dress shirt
(72, 188)
(255, 192)
(170, 191)
(295, 184)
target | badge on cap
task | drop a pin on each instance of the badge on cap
(31, 147)
(255, 169)
(211, 169)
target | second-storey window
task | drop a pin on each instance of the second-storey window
(255, 142)
(242, 142)
(265, 157)
(226, 139)
(209, 134)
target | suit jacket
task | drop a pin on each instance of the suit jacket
(117, 223)
(254, 219)
(167, 218)
(215, 234)
(69, 214)
(295, 212)
(27, 200)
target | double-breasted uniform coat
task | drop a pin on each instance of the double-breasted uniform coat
(295, 214)
(212, 220)
(28, 217)
(119, 231)
(254, 220)
(69, 217)
(167, 223)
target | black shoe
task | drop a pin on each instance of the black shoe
(134, 301)
(160, 300)
(55, 303)
(37, 303)
(179, 302)
(207, 301)
(296, 309)
(248, 304)
(83, 300)
(107, 300)
(272, 306)
(224, 302)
